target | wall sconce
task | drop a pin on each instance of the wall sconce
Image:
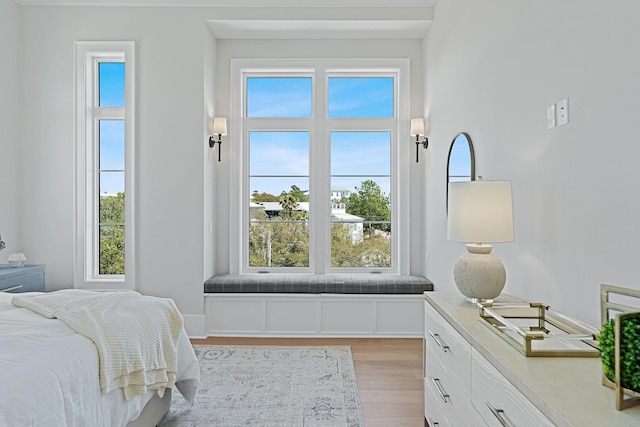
(218, 127)
(417, 129)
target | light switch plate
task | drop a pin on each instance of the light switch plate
(551, 116)
(563, 112)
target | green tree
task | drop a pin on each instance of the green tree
(374, 251)
(289, 205)
(297, 194)
(263, 197)
(274, 243)
(371, 203)
(112, 234)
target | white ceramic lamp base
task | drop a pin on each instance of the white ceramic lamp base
(479, 275)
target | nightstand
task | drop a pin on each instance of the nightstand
(28, 278)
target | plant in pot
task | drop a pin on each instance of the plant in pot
(629, 359)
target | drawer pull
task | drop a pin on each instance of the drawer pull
(13, 288)
(499, 414)
(433, 423)
(443, 394)
(441, 344)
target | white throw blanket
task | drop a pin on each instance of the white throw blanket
(136, 336)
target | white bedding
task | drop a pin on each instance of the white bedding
(136, 335)
(50, 375)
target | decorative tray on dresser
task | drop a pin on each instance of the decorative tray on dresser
(28, 278)
(473, 377)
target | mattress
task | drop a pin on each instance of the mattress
(50, 375)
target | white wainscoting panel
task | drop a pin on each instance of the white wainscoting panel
(313, 315)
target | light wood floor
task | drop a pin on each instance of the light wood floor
(389, 374)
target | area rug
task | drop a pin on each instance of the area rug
(283, 386)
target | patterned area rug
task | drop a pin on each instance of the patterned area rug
(271, 386)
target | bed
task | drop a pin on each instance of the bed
(50, 376)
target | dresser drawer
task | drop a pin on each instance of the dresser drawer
(22, 279)
(498, 401)
(447, 374)
(452, 351)
(446, 406)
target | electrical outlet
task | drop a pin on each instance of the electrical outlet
(551, 116)
(563, 112)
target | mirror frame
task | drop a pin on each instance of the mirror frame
(472, 158)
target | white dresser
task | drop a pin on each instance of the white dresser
(474, 378)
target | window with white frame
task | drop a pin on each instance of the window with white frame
(104, 157)
(319, 149)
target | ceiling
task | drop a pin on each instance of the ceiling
(321, 29)
(235, 3)
(409, 19)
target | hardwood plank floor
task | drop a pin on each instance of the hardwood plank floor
(388, 370)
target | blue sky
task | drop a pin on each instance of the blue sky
(111, 94)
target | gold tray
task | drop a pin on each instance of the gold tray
(535, 330)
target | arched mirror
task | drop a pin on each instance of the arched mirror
(461, 163)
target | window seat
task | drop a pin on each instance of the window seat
(315, 305)
(288, 283)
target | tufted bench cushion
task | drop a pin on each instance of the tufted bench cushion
(318, 283)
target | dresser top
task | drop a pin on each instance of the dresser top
(6, 270)
(568, 390)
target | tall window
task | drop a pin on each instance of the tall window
(318, 169)
(104, 146)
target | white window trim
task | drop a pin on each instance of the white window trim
(400, 176)
(86, 249)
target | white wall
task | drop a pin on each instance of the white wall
(10, 219)
(181, 188)
(492, 69)
(170, 44)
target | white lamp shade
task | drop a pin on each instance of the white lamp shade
(480, 212)
(417, 127)
(219, 126)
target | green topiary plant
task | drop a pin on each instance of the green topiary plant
(629, 351)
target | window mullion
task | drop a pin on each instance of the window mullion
(320, 176)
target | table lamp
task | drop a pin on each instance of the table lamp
(480, 212)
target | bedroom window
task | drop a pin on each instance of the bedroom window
(104, 155)
(317, 176)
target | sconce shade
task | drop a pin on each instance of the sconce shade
(219, 126)
(480, 212)
(417, 127)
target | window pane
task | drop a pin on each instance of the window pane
(112, 209)
(279, 153)
(279, 97)
(360, 153)
(111, 84)
(361, 223)
(359, 244)
(279, 223)
(360, 198)
(111, 256)
(111, 183)
(361, 97)
(111, 144)
(279, 204)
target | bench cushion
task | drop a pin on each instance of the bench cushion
(302, 283)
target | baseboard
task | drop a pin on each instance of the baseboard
(194, 325)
